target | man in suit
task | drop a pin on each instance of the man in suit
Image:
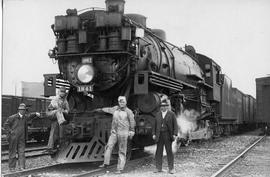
(164, 133)
(16, 126)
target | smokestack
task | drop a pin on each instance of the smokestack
(115, 6)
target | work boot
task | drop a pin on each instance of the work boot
(103, 166)
(118, 172)
(172, 171)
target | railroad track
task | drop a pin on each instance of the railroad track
(29, 144)
(29, 153)
(225, 169)
(75, 170)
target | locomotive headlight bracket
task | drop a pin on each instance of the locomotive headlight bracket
(85, 73)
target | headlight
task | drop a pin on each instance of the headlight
(85, 73)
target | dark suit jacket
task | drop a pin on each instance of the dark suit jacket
(170, 122)
(12, 123)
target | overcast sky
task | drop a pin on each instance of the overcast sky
(235, 33)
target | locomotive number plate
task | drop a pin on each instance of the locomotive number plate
(82, 88)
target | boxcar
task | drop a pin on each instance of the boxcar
(263, 100)
(237, 109)
(226, 99)
(251, 108)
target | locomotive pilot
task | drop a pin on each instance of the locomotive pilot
(16, 127)
(123, 127)
(164, 133)
(57, 111)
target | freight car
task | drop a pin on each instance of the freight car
(102, 54)
(263, 101)
(38, 129)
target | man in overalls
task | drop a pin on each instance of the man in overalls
(123, 127)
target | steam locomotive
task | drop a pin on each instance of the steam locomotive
(102, 54)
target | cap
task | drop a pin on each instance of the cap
(122, 98)
(164, 103)
(22, 106)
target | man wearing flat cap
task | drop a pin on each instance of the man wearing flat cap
(123, 127)
(164, 133)
(16, 126)
(57, 110)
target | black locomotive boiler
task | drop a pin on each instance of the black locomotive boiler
(102, 54)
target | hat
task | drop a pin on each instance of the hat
(164, 103)
(122, 98)
(62, 89)
(22, 106)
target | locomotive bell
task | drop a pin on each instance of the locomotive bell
(115, 6)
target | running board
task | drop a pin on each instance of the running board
(142, 80)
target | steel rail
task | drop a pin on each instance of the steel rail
(31, 171)
(101, 171)
(63, 167)
(29, 154)
(27, 150)
(228, 165)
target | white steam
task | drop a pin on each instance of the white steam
(187, 122)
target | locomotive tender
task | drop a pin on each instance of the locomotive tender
(102, 54)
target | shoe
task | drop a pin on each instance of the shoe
(158, 171)
(171, 171)
(103, 166)
(118, 172)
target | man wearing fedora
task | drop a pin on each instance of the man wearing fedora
(164, 133)
(16, 126)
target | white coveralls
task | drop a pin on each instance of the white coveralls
(122, 127)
